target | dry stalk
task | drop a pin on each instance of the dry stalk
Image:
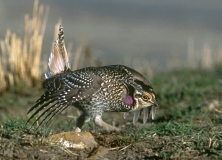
(21, 57)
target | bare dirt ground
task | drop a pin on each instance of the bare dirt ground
(187, 126)
(111, 146)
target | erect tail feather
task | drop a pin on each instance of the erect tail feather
(58, 60)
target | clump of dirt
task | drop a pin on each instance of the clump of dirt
(108, 140)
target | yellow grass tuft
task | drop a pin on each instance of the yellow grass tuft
(21, 57)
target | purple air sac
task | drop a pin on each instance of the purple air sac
(129, 100)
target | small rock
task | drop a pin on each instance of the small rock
(80, 140)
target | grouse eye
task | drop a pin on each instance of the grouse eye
(144, 97)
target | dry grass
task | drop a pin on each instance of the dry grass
(21, 62)
(21, 56)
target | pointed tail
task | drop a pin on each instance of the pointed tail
(58, 59)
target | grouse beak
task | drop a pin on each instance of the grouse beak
(153, 100)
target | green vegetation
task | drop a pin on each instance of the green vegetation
(188, 119)
(189, 113)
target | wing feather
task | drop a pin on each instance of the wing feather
(61, 91)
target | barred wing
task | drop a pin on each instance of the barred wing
(61, 91)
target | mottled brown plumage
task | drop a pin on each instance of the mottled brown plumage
(93, 90)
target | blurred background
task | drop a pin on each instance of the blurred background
(175, 44)
(150, 36)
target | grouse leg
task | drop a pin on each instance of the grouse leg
(108, 128)
(80, 121)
